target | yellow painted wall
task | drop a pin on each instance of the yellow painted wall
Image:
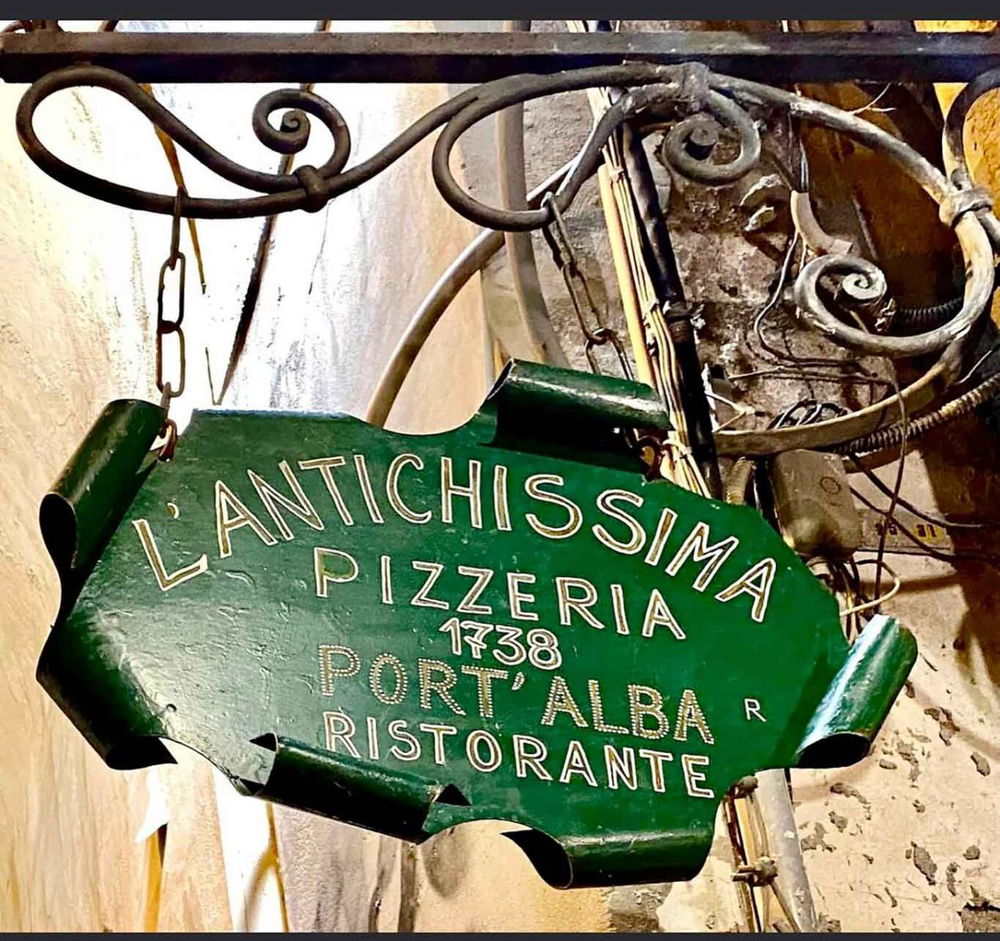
(982, 125)
(982, 128)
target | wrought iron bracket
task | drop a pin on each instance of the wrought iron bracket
(686, 98)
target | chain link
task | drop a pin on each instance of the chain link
(598, 333)
(165, 326)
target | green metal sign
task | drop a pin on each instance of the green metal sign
(505, 621)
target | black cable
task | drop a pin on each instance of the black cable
(920, 543)
(891, 435)
(897, 486)
(815, 413)
(931, 315)
(855, 579)
(916, 511)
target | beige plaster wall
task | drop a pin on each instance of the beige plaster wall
(75, 331)
(73, 334)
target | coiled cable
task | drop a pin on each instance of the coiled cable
(931, 316)
(892, 435)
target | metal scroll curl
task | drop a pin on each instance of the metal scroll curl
(311, 187)
(701, 106)
(287, 191)
(86, 503)
(655, 90)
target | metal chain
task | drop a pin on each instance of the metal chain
(580, 294)
(165, 326)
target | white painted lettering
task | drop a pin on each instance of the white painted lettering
(560, 699)
(689, 713)
(597, 710)
(530, 752)
(392, 488)
(469, 605)
(637, 536)
(518, 598)
(752, 709)
(620, 766)
(324, 465)
(658, 614)
(659, 540)
(533, 487)
(645, 701)
(442, 686)
(366, 489)
(397, 732)
(578, 603)
(225, 522)
(471, 491)
(696, 546)
(439, 732)
(756, 582)
(484, 686)
(166, 580)
(692, 778)
(400, 682)
(501, 509)
(273, 500)
(421, 599)
(385, 570)
(332, 565)
(340, 728)
(472, 751)
(656, 760)
(576, 762)
(371, 724)
(328, 672)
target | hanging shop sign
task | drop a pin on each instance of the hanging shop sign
(504, 621)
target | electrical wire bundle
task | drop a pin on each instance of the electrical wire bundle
(892, 420)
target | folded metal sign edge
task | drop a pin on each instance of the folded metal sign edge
(505, 621)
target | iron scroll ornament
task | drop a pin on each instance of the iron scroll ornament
(689, 95)
(654, 90)
(505, 621)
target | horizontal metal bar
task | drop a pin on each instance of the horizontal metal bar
(478, 57)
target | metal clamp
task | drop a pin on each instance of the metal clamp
(955, 205)
(758, 874)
